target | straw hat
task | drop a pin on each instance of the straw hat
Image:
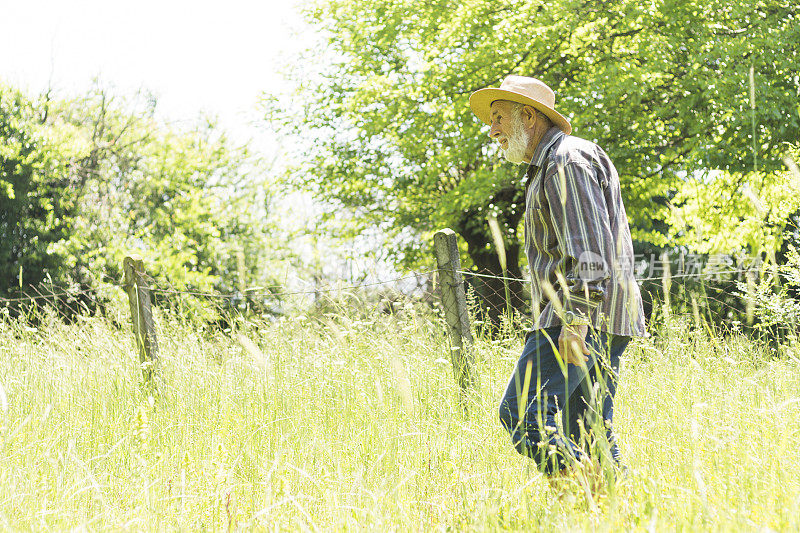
(528, 91)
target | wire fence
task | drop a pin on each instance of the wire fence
(492, 300)
(463, 302)
(387, 294)
(730, 297)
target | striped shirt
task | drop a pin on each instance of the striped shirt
(577, 238)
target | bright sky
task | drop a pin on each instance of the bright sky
(195, 56)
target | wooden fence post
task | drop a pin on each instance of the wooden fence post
(454, 302)
(666, 282)
(141, 314)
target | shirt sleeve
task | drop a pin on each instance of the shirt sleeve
(580, 218)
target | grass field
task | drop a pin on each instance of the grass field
(346, 424)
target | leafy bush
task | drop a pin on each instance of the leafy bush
(86, 181)
(773, 302)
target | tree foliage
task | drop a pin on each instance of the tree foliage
(662, 86)
(86, 181)
(38, 198)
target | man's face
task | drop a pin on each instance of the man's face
(509, 130)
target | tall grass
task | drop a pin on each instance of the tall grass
(344, 423)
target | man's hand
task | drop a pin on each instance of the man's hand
(572, 344)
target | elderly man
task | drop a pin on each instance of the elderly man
(558, 405)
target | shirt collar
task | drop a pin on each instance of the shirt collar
(549, 139)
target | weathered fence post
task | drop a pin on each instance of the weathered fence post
(454, 302)
(141, 314)
(666, 282)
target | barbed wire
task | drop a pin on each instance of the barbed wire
(655, 278)
(62, 290)
(695, 291)
(158, 288)
(68, 292)
(318, 290)
(492, 276)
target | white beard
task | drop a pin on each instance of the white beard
(517, 141)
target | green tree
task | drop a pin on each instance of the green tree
(662, 86)
(38, 200)
(93, 178)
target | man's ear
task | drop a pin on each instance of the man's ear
(528, 116)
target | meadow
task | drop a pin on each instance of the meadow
(351, 421)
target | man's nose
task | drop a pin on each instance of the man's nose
(494, 132)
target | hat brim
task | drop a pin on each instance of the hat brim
(481, 103)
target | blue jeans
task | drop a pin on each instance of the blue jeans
(582, 399)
